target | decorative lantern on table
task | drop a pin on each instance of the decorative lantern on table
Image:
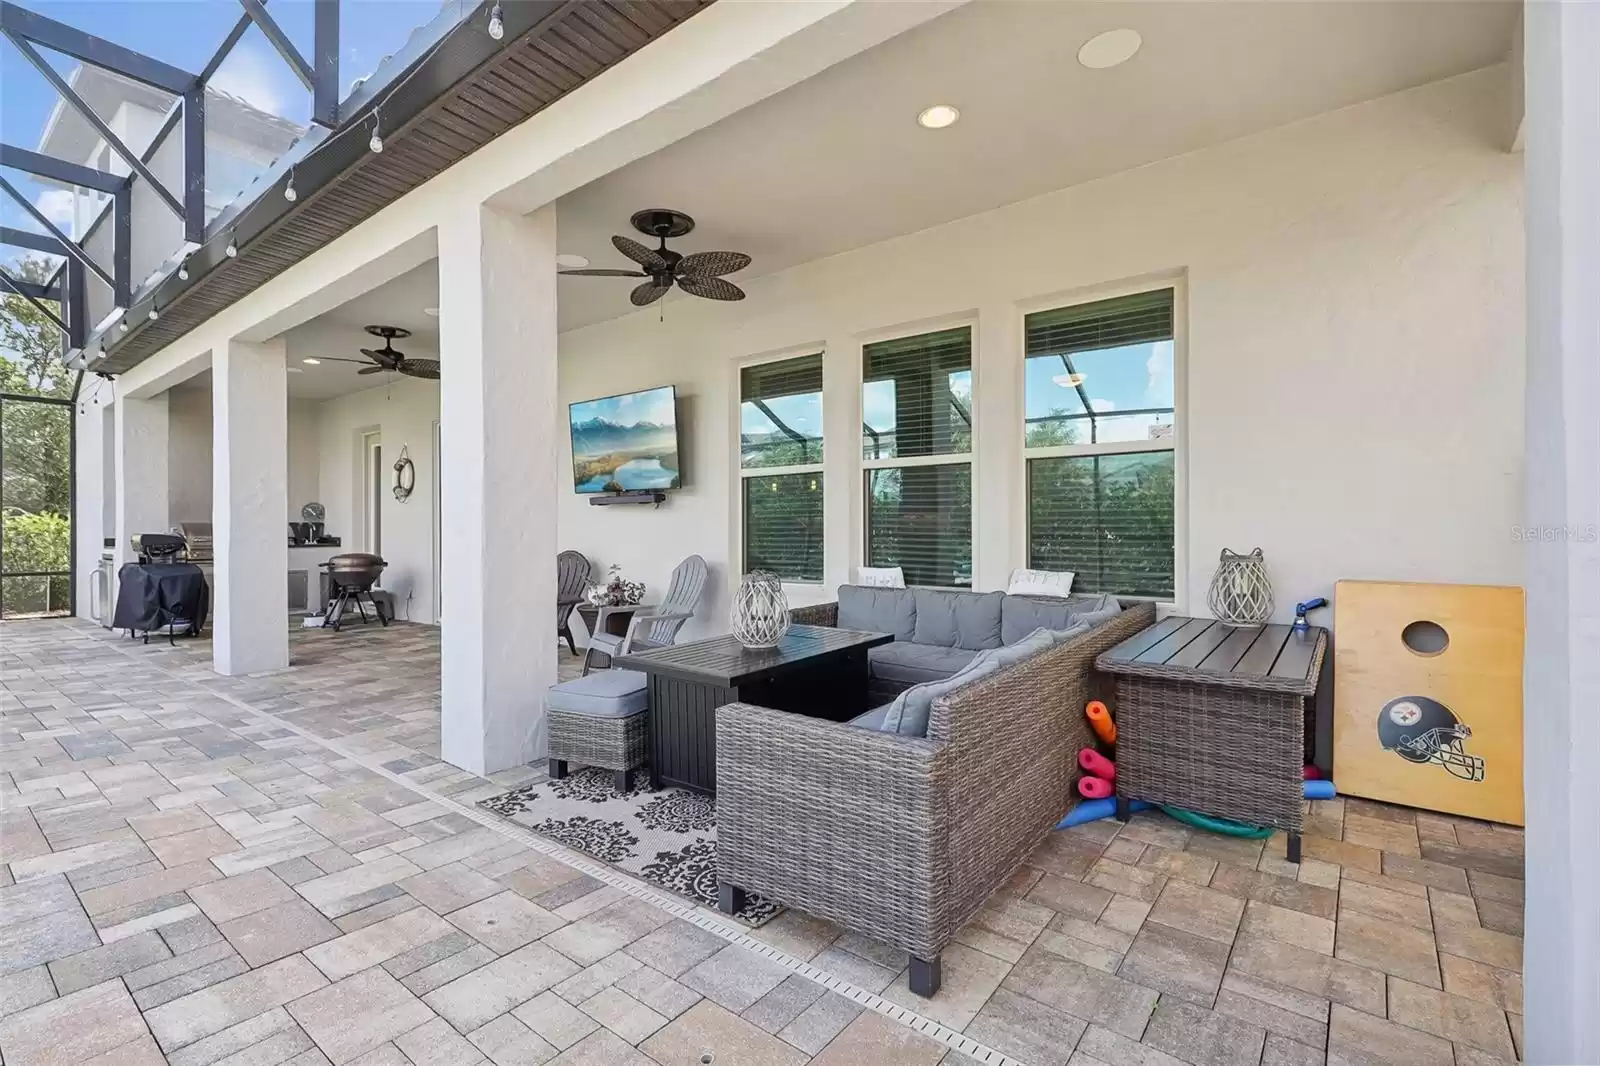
(1241, 593)
(760, 614)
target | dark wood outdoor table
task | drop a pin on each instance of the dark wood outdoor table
(1211, 718)
(815, 670)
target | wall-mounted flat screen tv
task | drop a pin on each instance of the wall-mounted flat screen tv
(626, 443)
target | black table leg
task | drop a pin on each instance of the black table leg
(730, 898)
(1294, 847)
(1123, 813)
(558, 769)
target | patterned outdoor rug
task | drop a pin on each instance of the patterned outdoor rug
(667, 837)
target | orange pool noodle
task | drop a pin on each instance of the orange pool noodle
(1093, 763)
(1094, 788)
(1100, 720)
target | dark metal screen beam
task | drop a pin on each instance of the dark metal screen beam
(122, 248)
(325, 64)
(44, 166)
(20, 22)
(291, 55)
(68, 245)
(20, 288)
(36, 291)
(194, 165)
(77, 304)
(38, 242)
(71, 96)
(228, 42)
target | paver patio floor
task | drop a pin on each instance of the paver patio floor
(196, 869)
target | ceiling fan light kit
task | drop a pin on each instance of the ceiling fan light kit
(698, 274)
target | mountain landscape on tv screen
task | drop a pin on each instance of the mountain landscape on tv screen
(612, 456)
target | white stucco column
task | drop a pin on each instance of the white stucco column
(1561, 713)
(500, 443)
(140, 455)
(249, 499)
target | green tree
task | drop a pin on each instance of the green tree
(35, 452)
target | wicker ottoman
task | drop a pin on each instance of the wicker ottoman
(600, 720)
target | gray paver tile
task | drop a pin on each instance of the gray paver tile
(210, 1010)
(103, 963)
(351, 1017)
(268, 935)
(75, 1028)
(475, 999)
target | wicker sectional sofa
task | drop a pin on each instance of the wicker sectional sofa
(903, 838)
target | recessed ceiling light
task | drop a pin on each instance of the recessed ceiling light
(1109, 49)
(938, 117)
(569, 261)
(431, 312)
(312, 362)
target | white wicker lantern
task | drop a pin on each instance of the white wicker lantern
(760, 614)
(1241, 593)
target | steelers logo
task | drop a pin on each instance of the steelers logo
(1405, 713)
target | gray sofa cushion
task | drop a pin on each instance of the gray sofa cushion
(953, 619)
(1021, 615)
(908, 714)
(875, 610)
(1032, 644)
(872, 720)
(608, 694)
(912, 664)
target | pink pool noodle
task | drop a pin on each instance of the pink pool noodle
(1094, 788)
(1092, 762)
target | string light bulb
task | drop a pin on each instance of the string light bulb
(375, 145)
(288, 190)
(497, 25)
(183, 269)
(123, 325)
(154, 314)
(232, 250)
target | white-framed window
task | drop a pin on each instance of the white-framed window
(780, 467)
(1100, 404)
(916, 422)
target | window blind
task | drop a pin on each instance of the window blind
(780, 412)
(919, 518)
(1108, 518)
(917, 395)
(1116, 323)
(783, 525)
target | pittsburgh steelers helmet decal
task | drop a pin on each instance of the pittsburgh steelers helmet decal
(1422, 731)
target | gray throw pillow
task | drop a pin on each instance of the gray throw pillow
(1021, 615)
(908, 714)
(952, 619)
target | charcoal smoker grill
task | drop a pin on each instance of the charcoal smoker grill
(350, 577)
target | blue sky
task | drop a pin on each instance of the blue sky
(186, 33)
(654, 405)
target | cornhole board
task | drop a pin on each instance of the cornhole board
(1438, 728)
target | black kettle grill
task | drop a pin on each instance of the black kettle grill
(350, 577)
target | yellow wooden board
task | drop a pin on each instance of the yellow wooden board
(1439, 729)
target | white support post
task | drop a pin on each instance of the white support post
(500, 443)
(1561, 698)
(141, 471)
(250, 497)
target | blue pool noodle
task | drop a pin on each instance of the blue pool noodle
(1320, 790)
(1094, 810)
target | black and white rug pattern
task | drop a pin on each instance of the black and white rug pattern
(667, 837)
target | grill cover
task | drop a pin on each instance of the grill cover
(152, 596)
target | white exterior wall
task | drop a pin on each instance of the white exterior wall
(1354, 370)
(404, 413)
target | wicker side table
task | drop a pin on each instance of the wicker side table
(1211, 718)
(601, 720)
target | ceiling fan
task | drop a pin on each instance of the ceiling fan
(698, 274)
(387, 358)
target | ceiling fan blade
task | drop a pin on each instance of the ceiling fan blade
(645, 257)
(713, 264)
(648, 293)
(341, 359)
(603, 273)
(421, 368)
(710, 288)
(372, 370)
